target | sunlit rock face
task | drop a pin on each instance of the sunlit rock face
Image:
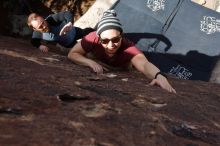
(13, 14)
(48, 100)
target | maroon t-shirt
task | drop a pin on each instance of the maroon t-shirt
(123, 56)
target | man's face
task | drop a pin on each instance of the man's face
(39, 24)
(111, 41)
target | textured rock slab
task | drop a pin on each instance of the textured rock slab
(100, 111)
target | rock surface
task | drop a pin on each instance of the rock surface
(46, 100)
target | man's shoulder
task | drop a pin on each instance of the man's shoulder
(93, 33)
(91, 36)
(60, 14)
(129, 46)
(90, 41)
(126, 43)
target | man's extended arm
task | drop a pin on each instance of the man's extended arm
(64, 17)
(148, 69)
(36, 41)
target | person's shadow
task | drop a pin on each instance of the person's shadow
(199, 65)
(151, 39)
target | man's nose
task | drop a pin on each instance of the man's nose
(110, 43)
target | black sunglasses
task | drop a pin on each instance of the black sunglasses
(113, 40)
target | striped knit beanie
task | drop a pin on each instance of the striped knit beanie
(109, 20)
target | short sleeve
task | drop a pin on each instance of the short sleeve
(88, 41)
(131, 50)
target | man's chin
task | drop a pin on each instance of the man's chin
(46, 31)
(110, 54)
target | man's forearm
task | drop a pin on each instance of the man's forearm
(36, 42)
(79, 59)
(150, 70)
